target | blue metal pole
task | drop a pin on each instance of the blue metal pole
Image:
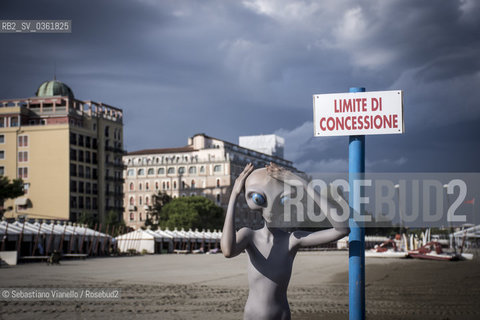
(356, 241)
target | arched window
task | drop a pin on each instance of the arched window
(171, 170)
(140, 186)
(218, 198)
(183, 184)
(147, 186)
(218, 183)
(192, 170)
(130, 172)
(147, 200)
(161, 171)
(168, 185)
(202, 169)
(132, 186)
(156, 185)
(217, 168)
(174, 184)
(140, 200)
(193, 184)
(151, 171)
(181, 170)
(163, 185)
(132, 216)
(141, 172)
(132, 201)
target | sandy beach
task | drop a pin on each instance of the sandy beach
(213, 287)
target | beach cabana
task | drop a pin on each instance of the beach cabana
(166, 245)
(139, 241)
(37, 240)
(468, 237)
(179, 241)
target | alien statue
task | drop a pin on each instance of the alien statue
(271, 250)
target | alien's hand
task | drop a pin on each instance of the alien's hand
(282, 174)
(240, 181)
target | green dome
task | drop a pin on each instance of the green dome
(54, 88)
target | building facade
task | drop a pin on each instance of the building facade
(67, 151)
(206, 166)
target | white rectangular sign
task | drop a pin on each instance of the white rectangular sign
(358, 113)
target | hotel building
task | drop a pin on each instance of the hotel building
(206, 166)
(67, 151)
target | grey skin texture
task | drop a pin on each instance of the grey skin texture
(271, 251)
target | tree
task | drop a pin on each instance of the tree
(9, 190)
(192, 212)
(113, 220)
(155, 217)
(88, 219)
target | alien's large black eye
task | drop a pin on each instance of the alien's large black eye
(284, 199)
(258, 199)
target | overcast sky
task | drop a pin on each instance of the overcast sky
(231, 68)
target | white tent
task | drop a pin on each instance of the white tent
(469, 236)
(169, 240)
(138, 240)
(39, 239)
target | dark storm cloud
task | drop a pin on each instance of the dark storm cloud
(230, 68)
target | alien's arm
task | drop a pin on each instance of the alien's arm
(232, 242)
(340, 228)
(301, 239)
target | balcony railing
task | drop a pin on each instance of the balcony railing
(114, 193)
(114, 179)
(108, 208)
(115, 149)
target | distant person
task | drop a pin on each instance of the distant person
(54, 258)
(271, 250)
(41, 251)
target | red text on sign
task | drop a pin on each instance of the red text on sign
(359, 122)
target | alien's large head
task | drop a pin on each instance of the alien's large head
(264, 190)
